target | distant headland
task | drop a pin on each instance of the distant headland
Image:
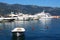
(27, 9)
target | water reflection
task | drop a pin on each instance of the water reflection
(45, 23)
(46, 20)
(18, 38)
(35, 30)
(41, 25)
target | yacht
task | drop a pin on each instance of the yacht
(19, 17)
(6, 19)
(43, 15)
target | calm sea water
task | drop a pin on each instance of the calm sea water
(48, 29)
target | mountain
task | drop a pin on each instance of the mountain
(26, 9)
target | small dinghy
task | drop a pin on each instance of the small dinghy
(18, 32)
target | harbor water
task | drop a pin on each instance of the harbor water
(44, 29)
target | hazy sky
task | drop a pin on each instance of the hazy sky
(53, 3)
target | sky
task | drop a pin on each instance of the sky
(50, 3)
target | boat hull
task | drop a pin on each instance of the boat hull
(8, 20)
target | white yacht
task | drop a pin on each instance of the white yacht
(19, 17)
(44, 15)
(8, 19)
(3, 19)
